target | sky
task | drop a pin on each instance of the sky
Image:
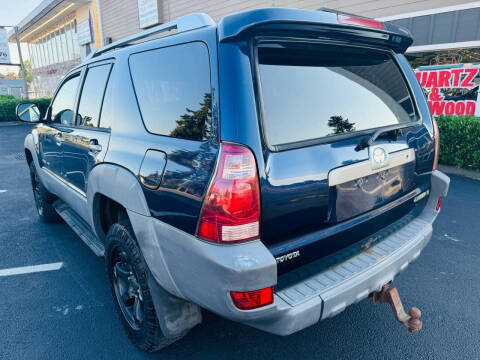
(11, 13)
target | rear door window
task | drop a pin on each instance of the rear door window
(173, 90)
(315, 92)
(108, 106)
(92, 95)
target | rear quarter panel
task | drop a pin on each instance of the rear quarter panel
(189, 165)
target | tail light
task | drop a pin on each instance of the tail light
(439, 204)
(360, 21)
(247, 300)
(436, 137)
(231, 210)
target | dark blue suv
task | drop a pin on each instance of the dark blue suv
(273, 169)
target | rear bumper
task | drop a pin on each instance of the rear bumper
(351, 280)
(204, 273)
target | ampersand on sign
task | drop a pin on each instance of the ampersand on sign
(435, 95)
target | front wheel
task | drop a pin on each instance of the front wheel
(43, 198)
(127, 274)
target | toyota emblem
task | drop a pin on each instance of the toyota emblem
(378, 157)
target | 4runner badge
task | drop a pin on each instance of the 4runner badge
(288, 256)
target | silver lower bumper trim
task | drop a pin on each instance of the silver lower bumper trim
(330, 291)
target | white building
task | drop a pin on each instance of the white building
(11, 87)
(59, 35)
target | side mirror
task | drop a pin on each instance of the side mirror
(28, 112)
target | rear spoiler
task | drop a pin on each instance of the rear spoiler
(324, 23)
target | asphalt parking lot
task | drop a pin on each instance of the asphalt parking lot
(68, 313)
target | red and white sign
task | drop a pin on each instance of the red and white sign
(434, 81)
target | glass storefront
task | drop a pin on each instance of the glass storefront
(58, 46)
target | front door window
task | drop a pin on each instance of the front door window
(62, 106)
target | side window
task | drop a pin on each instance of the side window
(62, 106)
(173, 89)
(107, 114)
(92, 95)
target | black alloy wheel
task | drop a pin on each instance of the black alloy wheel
(127, 289)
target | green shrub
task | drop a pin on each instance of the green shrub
(8, 104)
(460, 141)
(5, 97)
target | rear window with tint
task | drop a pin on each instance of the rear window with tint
(173, 90)
(312, 92)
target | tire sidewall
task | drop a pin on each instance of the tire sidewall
(46, 212)
(35, 183)
(120, 237)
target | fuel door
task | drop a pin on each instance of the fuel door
(152, 168)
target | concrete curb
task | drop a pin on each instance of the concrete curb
(452, 170)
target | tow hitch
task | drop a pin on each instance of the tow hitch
(390, 295)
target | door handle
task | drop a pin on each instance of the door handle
(94, 147)
(58, 139)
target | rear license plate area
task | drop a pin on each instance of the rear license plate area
(355, 197)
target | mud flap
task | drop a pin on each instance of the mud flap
(175, 316)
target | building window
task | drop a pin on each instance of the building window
(43, 56)
(32, 55)
(69, 41)
(34, 60)
(76, 45)
(56, 47)
(51, 57)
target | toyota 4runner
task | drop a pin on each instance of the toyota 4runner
(273, 169)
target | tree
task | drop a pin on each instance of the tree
(340, 125)
(195, 124)
(28, 69)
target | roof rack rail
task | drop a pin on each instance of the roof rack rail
(181, 24)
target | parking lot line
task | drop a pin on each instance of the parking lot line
(30, 269)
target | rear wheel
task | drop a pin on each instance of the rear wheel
(127, 274)
(43, 198)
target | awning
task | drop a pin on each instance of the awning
(43, 15)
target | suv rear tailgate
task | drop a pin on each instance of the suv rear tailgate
(318, 104)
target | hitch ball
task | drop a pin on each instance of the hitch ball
(390, 295)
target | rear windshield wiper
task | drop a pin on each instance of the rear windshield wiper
(369, 140)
